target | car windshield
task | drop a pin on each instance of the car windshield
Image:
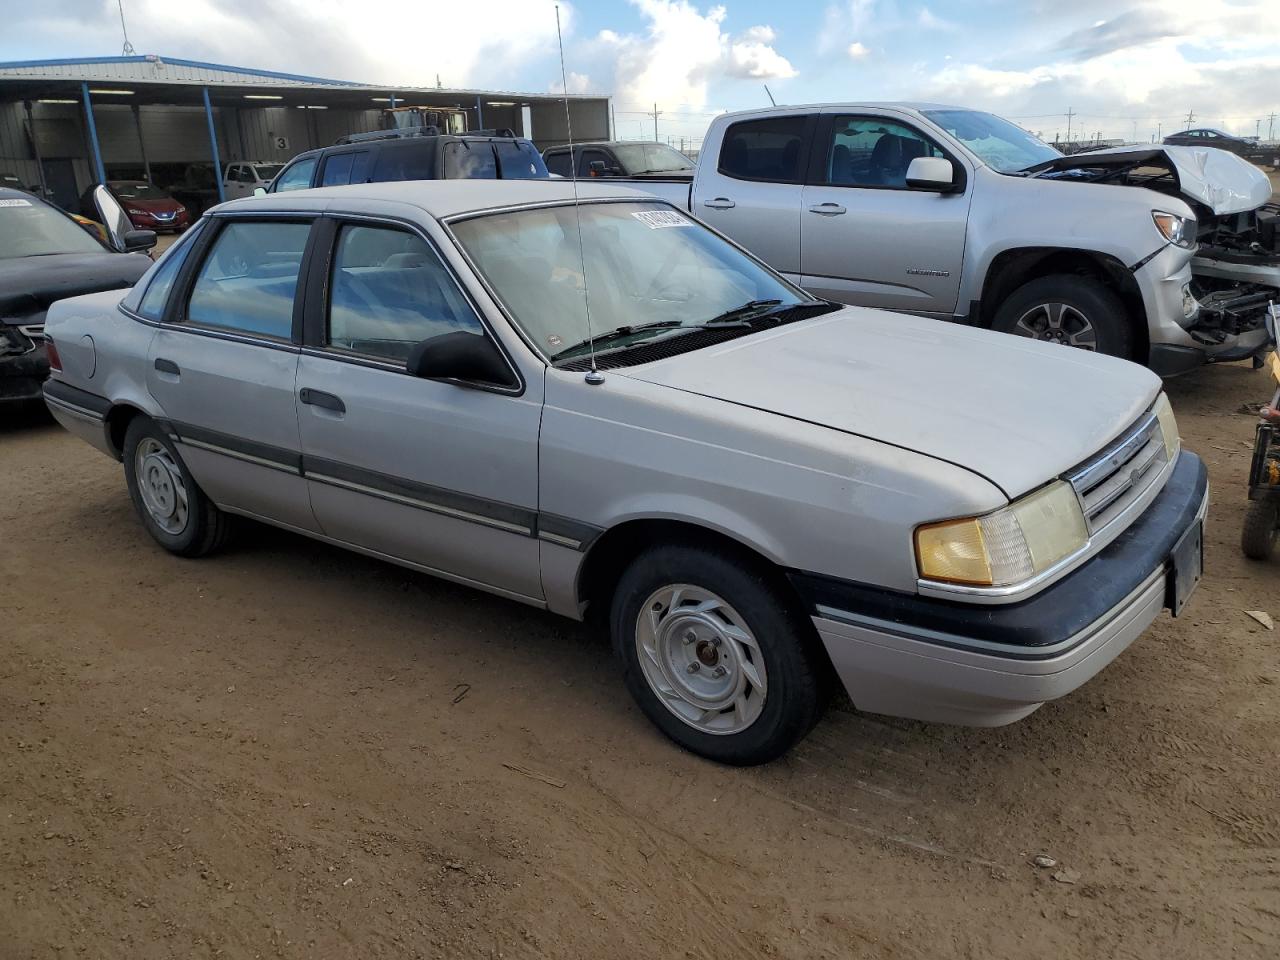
(1001, 145)
(651, 158)
(137, 191)
(29, 228)
(645, 266)
(268, 171)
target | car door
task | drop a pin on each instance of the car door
(753, 190)
(440, 474)
(223, 365)
(234, 186)
(867, 238)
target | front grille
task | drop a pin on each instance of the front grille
(1118, 476)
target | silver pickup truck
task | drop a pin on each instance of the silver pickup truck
(741, 480)
(1162, 254)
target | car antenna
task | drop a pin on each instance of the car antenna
(594, 376)
(766, 90)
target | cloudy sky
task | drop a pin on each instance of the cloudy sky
(1124, 67)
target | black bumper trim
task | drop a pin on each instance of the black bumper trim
(1059, 612)
(61, 392)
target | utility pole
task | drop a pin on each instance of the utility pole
(1271, 123)
(1191, 118)
(656, 113)
(1070, 114)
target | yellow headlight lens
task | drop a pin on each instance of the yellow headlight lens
(1008, 546)
(1168, 426)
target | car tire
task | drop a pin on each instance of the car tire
(759, 684)
(1072, 310)
(1258, 538)
(172, 507)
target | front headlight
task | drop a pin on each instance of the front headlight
(1013, 544)
(1180, 231)
(1168, 426)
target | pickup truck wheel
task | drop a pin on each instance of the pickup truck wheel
(714, 656)
(1069, 310)
(1258, 538)
(174, 510)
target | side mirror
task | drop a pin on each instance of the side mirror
(135, 241)
(460, 356)
(112, 216)
(596, 168)
(259, 191)
(931, 173)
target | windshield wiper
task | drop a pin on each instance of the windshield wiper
(623, 331)
(748, 310)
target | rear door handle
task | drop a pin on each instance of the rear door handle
(168, 366)
(827, 209)
(719, 203)
(318, 398)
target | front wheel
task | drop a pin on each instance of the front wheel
(1258, 538)
(714, 655)
(1069, 310)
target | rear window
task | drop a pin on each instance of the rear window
(768, 149)
(519, 160)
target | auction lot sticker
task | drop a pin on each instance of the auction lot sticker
(657, 219)
(15, 203)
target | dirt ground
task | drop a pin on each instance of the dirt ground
(288, 750)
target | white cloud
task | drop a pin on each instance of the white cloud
(857, 50)
(578, 83)
(931, 21)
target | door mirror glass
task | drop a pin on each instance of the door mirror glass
(931, 173)
(460, 356)
(112, 216)
(259, 191)
(135, 241)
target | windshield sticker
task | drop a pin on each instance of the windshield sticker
(657, 219)
(15, 203)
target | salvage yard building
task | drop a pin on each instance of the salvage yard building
(68, 124)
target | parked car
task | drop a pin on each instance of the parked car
(1164, 255)
(148, 207)
(443, 157)
(45, 255)
(620, 158)
(243, 178)
(1248, 147)
(751, 487)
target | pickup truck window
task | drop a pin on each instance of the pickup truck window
(559, 163)
(642, 158)
(873, 152)
(296, 177)
(248, 280)
(768, 149)
(389, 292)
(519, 160)
(588, 157)
(407, 161)
(650, 271)
(1001, 145)
(467, 160)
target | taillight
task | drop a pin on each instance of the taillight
(55, 361)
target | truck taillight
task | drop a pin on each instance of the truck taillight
(55, 361)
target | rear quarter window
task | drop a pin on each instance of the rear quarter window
(409, 162)
(149, 295)
(769, 149)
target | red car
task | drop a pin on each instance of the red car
(148, 207)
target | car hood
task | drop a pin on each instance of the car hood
(1222, 181)
(28, 285)
(1016, 411)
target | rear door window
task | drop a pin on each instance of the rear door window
(769, 149)
(337, 170)
(559, 163)
(469, 160)
(405, 162)
(249, 278)
(296, 177)
(390, 291)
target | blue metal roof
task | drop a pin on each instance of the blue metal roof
(197, 64)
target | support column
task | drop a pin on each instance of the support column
(479, 114)
(35, 149)
(99, 170)
(142, 146)
(213, 145)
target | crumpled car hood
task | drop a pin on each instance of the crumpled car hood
(1220, 180)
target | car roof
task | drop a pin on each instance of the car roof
(916, 106)
(438, 198)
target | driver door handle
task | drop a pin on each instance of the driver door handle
(719, 203)
(318, 398)
(827, 209)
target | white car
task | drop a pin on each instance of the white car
(241, 179)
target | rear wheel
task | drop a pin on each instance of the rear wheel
(1069, 310)
(1258, 538)
(714, 655)
(174, 510)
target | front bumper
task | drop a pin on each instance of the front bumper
(21, 376)
(947, 662)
